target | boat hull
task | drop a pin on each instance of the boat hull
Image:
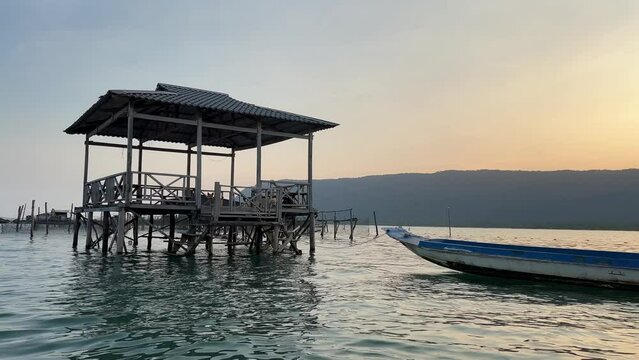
(586, 267)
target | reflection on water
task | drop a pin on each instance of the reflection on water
(372, 299)
(174, 305)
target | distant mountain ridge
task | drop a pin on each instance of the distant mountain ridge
(592, 199)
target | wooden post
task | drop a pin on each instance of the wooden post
(350, 222)
(171, 232)
(311, 225)
(230, 242)
(198, 180)
(70, 218)
(89, 238)
(232, 195)
(258, 239)
(188, 167)
(139, 192)
(32, 217)
(375, 218)
(120, 233)
(129, 158)
(258, 148)
(19, 217)
(85, 193)
(276, 239)
(150, 233)
(76, 230)
(135, 231)
(450, 231)
(335, 225)
(217, 201)
(106, 228)
(46, 217)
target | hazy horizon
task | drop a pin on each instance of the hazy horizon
(416, 86)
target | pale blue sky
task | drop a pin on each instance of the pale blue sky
(417, 86)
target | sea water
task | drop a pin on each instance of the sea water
(369, 298)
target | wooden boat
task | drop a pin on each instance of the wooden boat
(588, 267)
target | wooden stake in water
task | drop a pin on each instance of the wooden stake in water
(350, 223)
(32, 218)
(150, 233)
(46, 212)
(70, 218)
(24, 215)
(450, 234)
(18, 219)
(375, 219)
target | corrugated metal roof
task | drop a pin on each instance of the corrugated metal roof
(216, 107)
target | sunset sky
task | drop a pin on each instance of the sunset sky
(416, 86)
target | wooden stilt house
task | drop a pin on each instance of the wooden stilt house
(270, 213)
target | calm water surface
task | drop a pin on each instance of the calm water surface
(371, 299)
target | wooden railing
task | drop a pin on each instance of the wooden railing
(159, 189)
(294, 193)
(147, 188)
(246, 201)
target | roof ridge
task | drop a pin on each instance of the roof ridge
(118, 91)
(164, 85)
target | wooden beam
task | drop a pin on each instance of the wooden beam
(85, 195)
(120, 231)
(198, 179)
(217, 126)
(150, 233)
(106, 229)
(140, 148)
(129, 154)
(165, 119)
(151, 148)
(232, 167)
(89, 235)
(108, 122)
(188, 167)
(311, 214)
(258, 147)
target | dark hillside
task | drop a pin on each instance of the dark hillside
(489, 198)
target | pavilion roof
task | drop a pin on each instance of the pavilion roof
(183, 103)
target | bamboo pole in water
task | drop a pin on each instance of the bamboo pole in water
(106, 218)
(350, 223)
(24, 215)
(70, 218)
(150, 233)
(375, 219)
(18, 219)
(32, 218)
(46, 216)
(89, 228)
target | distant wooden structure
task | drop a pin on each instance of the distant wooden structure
(53, 217)
(275, 213)
(337, 218)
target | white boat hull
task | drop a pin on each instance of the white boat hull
(458, 257)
